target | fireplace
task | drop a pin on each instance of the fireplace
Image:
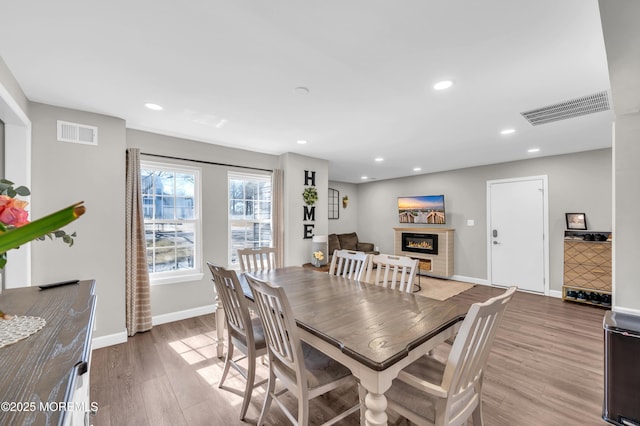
(420, 243)
(432, 244)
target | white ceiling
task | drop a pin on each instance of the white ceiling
(225, 72)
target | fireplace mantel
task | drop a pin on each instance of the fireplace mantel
(440, 264)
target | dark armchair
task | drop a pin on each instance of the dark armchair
(349, 242)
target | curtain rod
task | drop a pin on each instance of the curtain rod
(206, 162)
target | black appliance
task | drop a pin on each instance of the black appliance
(621, 372)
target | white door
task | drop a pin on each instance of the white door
(517, 233)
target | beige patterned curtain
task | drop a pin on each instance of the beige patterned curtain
(138, 292)
(277, 186)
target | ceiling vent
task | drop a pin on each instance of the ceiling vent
(568, 109)
(77, 133)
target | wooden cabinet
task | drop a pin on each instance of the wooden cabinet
(587, 267)
(46, 375)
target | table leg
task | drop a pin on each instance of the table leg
(219, 328)
(376, 414)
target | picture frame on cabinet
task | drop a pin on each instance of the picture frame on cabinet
(576, 221)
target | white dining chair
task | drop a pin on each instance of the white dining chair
(396, 272)
(244, 332)
(257, 259)
(430, 392)
(349, 263)
(303, 370)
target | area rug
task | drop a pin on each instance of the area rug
(441, 289)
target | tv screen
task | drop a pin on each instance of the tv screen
(423, 209)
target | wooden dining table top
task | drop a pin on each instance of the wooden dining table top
(372, 324)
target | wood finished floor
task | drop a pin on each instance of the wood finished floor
(545, 368)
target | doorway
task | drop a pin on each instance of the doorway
(17, 167)
(517, 223)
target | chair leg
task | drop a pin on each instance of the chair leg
(227, 362)
(271, 386)
(477, 412)
(248, 390)
(477, 415)
(303, 410)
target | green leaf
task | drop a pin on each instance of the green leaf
(18, 236)
(23, 191)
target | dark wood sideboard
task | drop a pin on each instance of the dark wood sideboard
(49, 369)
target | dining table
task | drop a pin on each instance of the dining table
(373, 330)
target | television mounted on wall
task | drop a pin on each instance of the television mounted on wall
(422, 209)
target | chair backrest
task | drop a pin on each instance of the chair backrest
(233, 301)
(468, 357)
(257, 259)
(280, 330)
(397, 272)
(349, 264)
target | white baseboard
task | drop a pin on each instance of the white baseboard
(555, 293)
(109, 340)
(480, 281)
(180, 315)
(470, 280)
(626, 310)
(117, 338)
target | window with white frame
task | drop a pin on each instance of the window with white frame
(172, 222)
(249, 212)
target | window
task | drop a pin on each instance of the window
(171, 206)
(249, 212)
(334, 204)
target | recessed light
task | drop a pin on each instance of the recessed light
(532, 150)
(379, 159)
(364, 178)
(301, 90)
(507, 131)
(301, 142)
(417, 169)
(154, 107)
(443, 85)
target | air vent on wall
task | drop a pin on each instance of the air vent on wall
(77, 133)
(590, 104)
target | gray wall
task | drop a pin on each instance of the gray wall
(64, 173)
(171, 298)
(348, 221)
(577, 183)
(627, 204)
(297, 249)
(622, 42)
(8, 81)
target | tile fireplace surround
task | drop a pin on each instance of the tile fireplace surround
(435, 254)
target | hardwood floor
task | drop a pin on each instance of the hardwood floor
(546, 368)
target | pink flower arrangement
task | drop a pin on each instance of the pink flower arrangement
(15, 227)
(12, 211)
